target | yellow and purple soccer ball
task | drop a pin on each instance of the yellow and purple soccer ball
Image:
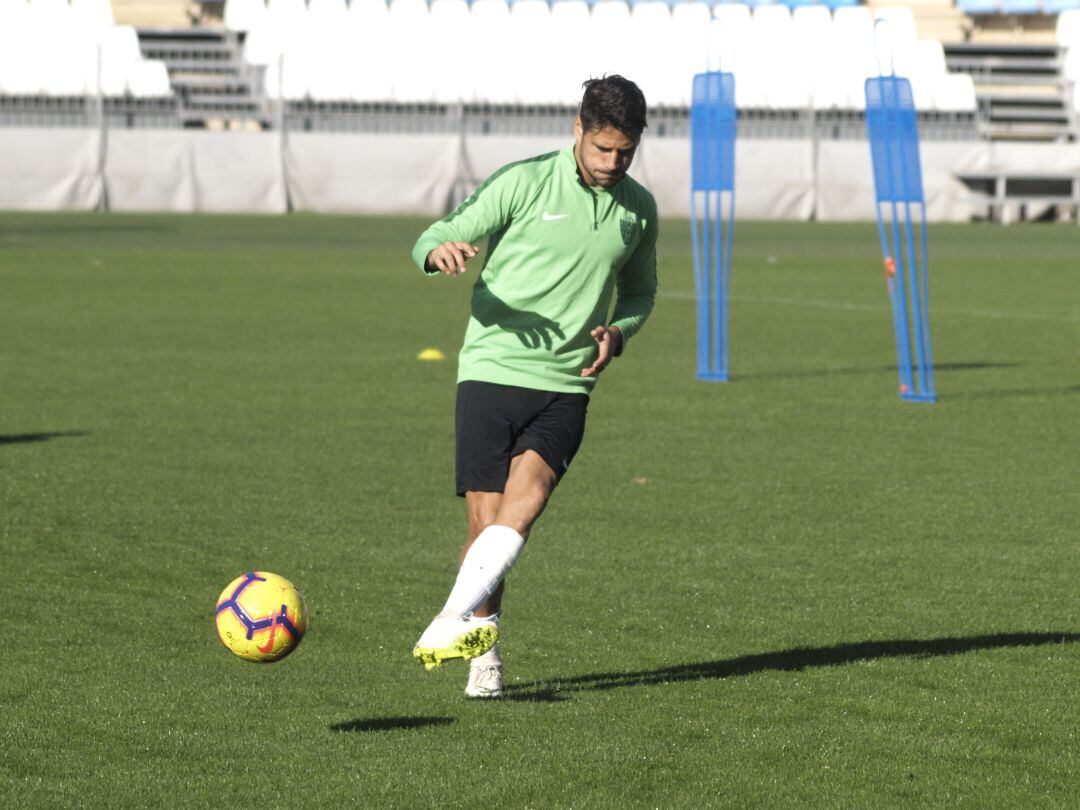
(261, 617)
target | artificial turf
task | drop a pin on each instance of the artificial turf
(792, 589)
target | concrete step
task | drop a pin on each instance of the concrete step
(187, 52)
(198, 66)
(1023, 114)
(211, 84)
(221, 101)
(1016, 131)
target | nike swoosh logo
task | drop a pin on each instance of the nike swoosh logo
(552, 217)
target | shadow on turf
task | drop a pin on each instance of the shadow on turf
(554, 691)
(843, 372)
(1018, 392)
(27, 438)
(391, 723)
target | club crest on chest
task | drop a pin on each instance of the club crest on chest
(627, 226)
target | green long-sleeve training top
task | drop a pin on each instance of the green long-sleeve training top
(558, 251)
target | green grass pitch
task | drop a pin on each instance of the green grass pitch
(791, 590)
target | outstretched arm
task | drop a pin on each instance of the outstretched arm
(447, 244)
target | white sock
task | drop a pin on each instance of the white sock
(488, 560)
(489, 659)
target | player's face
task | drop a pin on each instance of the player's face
(603, 154)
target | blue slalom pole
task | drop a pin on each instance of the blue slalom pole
(712, 128)
(892, 129)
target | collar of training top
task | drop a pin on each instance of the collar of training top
(570, 161)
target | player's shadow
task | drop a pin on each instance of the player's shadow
(390, 723)
(29, 438)
(794, 660)
(531, 328)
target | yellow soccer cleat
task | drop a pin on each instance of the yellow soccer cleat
(452, 637)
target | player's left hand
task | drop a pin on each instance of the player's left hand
(609, 339)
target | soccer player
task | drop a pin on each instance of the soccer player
(567, 232)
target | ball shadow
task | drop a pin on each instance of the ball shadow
(371, 724)
(29, 438)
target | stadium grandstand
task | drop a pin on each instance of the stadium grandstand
(985, 71)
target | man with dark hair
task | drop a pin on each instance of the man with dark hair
(567, 232)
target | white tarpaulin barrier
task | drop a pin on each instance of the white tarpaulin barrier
(371, 174)
(263, 172)
(50, 169)
(218, 172)
(846, 180)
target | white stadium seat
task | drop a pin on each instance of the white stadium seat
(774, 16)
(286, 15)
(566, 73)
(13, 14)
(651, 12)
(409, 46)
(1071, 68)
(922, 62)
(532, 31)
(811, 21)
(955, 92)
(609, 33)
(733, 14)
(529, 12)
(849, 60)
(263, 46)
(22, 70)
(854, 25)
(412, 52)
(409, 10)
(369, 77)
(692, 14)
(569, 14)
(119, 49)
(449, 23)
(119, 44)
(49, 48)
(899, 22)
(490, 9)
(1067, 31)
(493, 65)
(690, 26)
(54, 14)
(244, 15)
(148, 78)
(368, 12)
(611, 10)
(92, 14)
(328, 13)
(650, 43)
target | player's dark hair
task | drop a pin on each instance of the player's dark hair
(613, 101)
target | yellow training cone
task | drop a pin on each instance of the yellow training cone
(431, 354)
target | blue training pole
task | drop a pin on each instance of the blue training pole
(712, 212)
(892, 128)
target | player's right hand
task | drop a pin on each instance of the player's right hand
(450, 257)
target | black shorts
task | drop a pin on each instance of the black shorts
(494, 423)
